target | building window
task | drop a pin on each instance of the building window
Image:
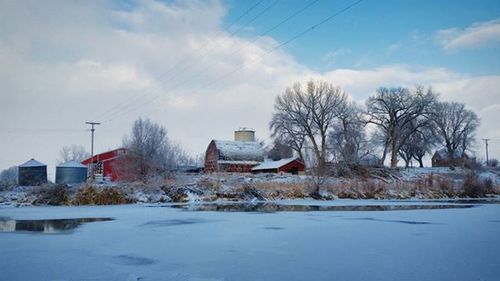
(99, 168)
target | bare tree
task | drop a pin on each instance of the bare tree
(73, 153)
(455, 126)
(288, 132)
(8, 177)
(348, 142)
(424, 141)
(393, 110)
(279, 151)
(149, 152)
(420, 142)
(309, 113)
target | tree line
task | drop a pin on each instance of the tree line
(395, 123)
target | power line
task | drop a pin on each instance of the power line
(298, 35)
(242, 65)
(260, 35)
(37, 130)
(203, 56)
(192, 54)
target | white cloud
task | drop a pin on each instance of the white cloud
(477, 35)
(330, 58)
(76, 67)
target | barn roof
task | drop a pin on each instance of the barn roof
(443, 153)
(32, 163)
(105, 156)
(72, 164)
(268, 165)
(239, 151)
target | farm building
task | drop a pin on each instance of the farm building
(288, 165)
(71, 172)
(369, 160)
(240, 155)
(105, 164)
(32, 173)
(440, 158)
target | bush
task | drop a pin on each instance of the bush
(472, 164)
(89, 195)
(475, 188)
(493, 163)
(251, 192)
(110, 196)
(445, 187)
(371, 190)
(176, 194)
(54, 195)
(86, 196)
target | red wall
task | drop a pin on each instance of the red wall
(211, 158)
(294, 164)
(108, 160)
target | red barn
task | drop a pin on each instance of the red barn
(441, 158)
(288, 165)
(233, 156)
(105, 164)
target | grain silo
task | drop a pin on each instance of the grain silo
(71, 172)
(32, 173)
(244, 134)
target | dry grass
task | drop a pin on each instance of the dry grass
(274, 190)
(90, 195)
(211, 184)
(54, 195)
(475, 187)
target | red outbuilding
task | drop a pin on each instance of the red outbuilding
(105, 164)
(288, 165)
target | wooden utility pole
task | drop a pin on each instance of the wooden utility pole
(92, 130)
(486, 144)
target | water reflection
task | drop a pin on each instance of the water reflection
(45, 226)
(273, 207)
(394, 221)
(175, 222)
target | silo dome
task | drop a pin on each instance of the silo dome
(244, 134)
(71, 172)
(32, 173)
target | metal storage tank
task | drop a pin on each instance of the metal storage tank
(71, 172)
(32, 173)
(244, 134)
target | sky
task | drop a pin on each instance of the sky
(203, 69)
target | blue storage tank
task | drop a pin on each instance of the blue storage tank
(32, 173)
(71, 172)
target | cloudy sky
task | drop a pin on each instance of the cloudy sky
(205, 68)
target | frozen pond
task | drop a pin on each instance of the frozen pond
(287, 240)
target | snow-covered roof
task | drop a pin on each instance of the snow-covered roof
(236, 162)
(240, 150)
(72, 164)
(268, 165)
(32, 163)
(443, 153)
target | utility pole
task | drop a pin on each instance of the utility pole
(92, 130)
(486, 144)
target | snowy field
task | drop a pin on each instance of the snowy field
(164, 243)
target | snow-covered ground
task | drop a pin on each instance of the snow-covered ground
(163, 243)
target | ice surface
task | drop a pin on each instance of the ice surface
(163, 243)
